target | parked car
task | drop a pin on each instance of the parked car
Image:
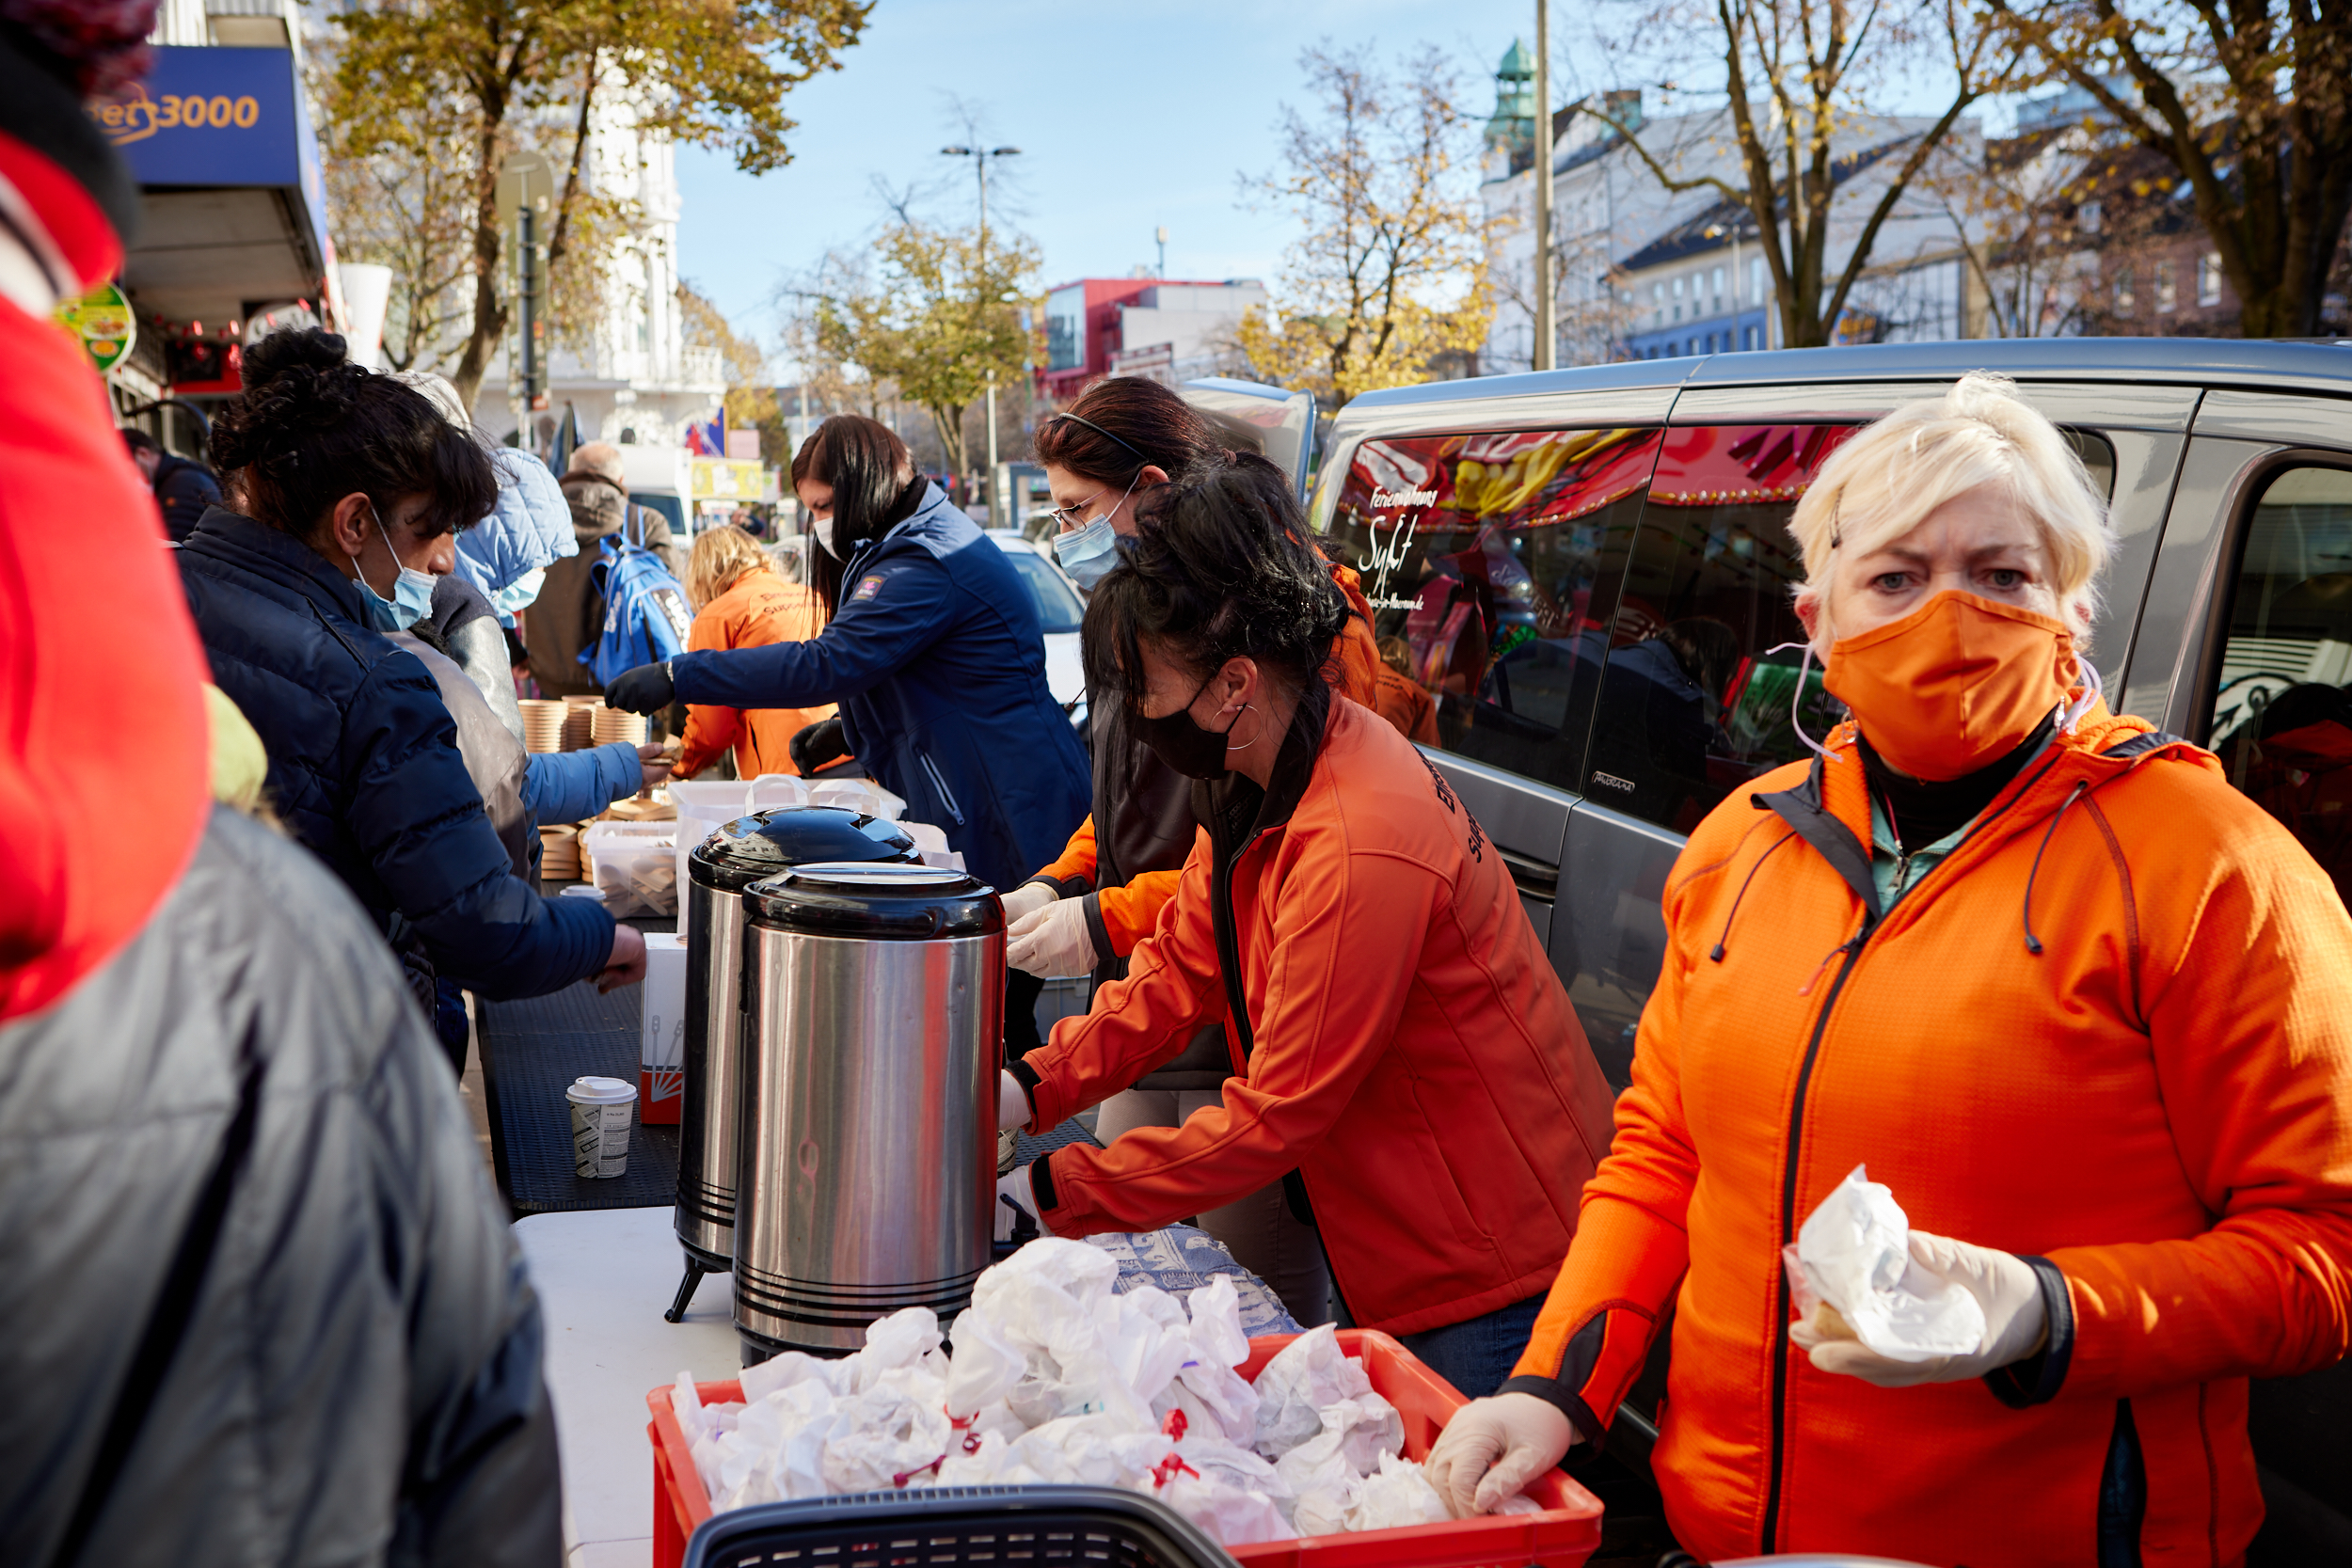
(1540, 540)
(1060, 608)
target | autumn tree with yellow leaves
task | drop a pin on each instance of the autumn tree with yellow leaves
(1389, 280)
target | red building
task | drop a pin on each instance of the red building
(1092, 322)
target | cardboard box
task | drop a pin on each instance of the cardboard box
(662, 1073)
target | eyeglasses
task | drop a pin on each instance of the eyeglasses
(1066, 517)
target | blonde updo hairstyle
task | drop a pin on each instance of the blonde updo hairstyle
(1886, 480)
(719, 559)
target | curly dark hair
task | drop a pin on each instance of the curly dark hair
(311, 428)
(1221, 567)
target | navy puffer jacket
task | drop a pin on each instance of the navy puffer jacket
(938, 661)
(364, 766)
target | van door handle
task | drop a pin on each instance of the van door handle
(1533, 879)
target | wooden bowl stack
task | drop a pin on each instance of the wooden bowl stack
(559, 854)
(608, 724)
(580, 717)
(543, 724)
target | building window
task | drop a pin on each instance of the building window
(1755, 279)
(1748, 339)
(2086, 218)
(1718, 279)
(2167, 294)
(2209, 277)
(2123, 298)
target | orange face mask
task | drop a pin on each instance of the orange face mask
(1955, 684)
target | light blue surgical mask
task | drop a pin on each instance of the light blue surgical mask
(520, 594)
(1090, 553)
(412, 592)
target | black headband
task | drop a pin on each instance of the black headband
(1105, 434)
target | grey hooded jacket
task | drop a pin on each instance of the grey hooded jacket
(261, 1305)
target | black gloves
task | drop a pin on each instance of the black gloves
(816, 744)
(644, 689)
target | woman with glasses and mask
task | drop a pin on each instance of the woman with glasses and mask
(931, 647)
(352, 489)
(1402, 1053)
(1124, 437)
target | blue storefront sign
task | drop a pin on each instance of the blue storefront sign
(211, 116)
(223, 118)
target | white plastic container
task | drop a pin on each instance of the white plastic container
(703, 809)
(857, 795)
(636, 866)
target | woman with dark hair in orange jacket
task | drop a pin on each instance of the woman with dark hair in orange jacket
(1399, 1049)
(2083, 1007)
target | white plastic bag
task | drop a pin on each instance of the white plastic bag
(1854, 1252)
(1397, 1495)
(1309, 1373)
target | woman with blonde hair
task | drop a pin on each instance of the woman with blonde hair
(739, 602)
(2083, 1009)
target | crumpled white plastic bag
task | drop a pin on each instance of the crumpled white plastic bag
(1396, 1495)
(1854, 1252)
(1309, 1375)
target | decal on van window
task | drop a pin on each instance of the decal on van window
(1490, 563)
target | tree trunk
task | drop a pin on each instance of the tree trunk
(489, 313)
(949, 420)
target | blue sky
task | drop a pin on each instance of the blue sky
(1129, 115)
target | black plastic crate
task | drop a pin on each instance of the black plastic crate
(959, 1527)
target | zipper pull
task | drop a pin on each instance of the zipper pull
(1843, 947)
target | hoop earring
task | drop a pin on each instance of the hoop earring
(1247, 707)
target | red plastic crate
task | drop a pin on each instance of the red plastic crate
(1561, 1536)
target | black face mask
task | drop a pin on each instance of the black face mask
(1181, 743)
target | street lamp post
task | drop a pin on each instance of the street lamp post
(980, 157)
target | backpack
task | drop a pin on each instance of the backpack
(646, 617)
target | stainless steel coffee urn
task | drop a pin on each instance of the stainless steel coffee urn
(718, 871)
(874, 1002)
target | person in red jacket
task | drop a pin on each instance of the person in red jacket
(1403, 1054)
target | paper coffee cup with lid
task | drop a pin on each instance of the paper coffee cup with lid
(601, 1109)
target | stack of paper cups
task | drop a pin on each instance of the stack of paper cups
(543, 724)
(601, 1109)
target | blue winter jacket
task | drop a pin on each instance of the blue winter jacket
(937, 660)
(364, 768)
(530, 528)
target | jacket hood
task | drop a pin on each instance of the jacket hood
(98, 816)
(530, 527)
(596, 504)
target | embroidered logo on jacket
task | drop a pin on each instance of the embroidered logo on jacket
(866, 589)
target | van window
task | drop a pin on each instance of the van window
(1694, 700)
(2281, 717)
(1493, 563)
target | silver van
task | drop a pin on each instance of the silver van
(1590, 571)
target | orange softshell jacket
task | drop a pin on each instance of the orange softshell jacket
(2112, 1030)
(1408, 1049)
(1130, 911)
(759, 609)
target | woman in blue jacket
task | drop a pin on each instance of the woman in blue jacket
(356, 489)
(931, 647)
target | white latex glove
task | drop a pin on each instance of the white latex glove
(1493, 1447)
(1052, 944)
(1014, 1191)
(1012, 1103)
(1027, 899)
(2003, 1284)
